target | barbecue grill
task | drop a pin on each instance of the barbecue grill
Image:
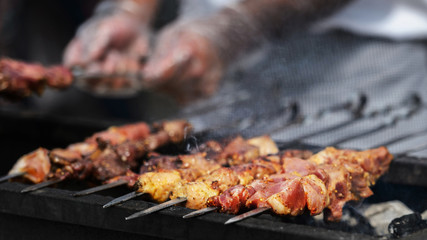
(52, 212)
(311, 121)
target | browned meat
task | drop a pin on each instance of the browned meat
(239, 151)
(36, 164)
(326, 181)
(212, 149)
(296, 153)
(176, 130)
(156, 161)
(265, 144)
(19, 79)
(161, 183)
(117, 135)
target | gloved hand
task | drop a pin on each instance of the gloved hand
(112, 30)
(185, 63)
(191, 56)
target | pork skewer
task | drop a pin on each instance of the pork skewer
(349, 176)
(167, 132)
(37, 164)
(19, 79)
(83, 160)
(101, 156)
(290, 167)
(196, 193)
(235, 152)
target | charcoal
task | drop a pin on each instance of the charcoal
(406, 225)
(381, 214)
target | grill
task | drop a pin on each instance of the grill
(52, 212)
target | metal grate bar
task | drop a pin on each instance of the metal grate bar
(404, 113)
(417, 148)
(401, 138)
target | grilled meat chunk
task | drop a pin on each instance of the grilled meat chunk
(19, 79)
(36, 165)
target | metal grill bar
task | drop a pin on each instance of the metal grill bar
(404, 113)
(417, 148)
(401, 138)
(414, 100)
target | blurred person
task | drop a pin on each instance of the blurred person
(191, 54)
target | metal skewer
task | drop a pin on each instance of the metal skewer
(123, 198)
(42, 185)
(247, 215)
(100, 188)
(157, 208)
(200, 212)
(10, 176)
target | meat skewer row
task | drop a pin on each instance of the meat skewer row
(104, 154)
(19, 79)
(342, 176)
(159, 184)
(37, 164)
(114, 166)
(196, 193)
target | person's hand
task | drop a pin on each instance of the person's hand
(185, 62)
(101, 35)
(112, 44)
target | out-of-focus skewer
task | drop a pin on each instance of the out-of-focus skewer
(12, 175)
(200, 212)
(157, 208)
(42, 185)
(247, 215)
(100, 188)
(123, 198)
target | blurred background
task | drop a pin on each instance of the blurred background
(302, 66)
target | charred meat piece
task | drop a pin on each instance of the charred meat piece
(19, 79)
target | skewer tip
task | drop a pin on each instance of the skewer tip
(231, 220)
(200, 212)
(42, 185)
(247, 215)
(136, 215)
(157, 208)
(12, 175)
(122, 199)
